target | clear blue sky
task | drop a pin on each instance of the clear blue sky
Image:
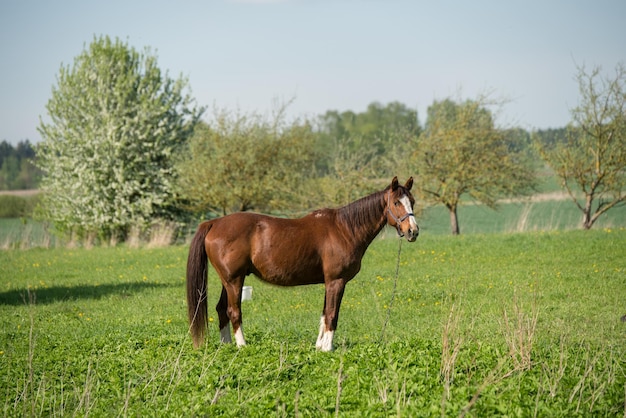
(339, 55)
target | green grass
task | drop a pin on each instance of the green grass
(103, 332)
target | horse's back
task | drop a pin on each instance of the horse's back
(278, 250)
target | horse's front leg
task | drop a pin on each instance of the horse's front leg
(330, 315)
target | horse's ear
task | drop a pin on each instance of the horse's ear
(409, 183)
(394, 184)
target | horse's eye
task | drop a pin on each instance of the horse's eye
(397, 203)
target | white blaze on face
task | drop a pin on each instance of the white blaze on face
(407, 207)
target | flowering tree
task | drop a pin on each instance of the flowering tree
(106, 154)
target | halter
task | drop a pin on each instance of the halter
(395, 218)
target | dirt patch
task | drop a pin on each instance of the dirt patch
(539, 197)
(21, 193)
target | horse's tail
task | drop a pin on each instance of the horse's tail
(197, 284)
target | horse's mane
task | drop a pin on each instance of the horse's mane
(364, 212)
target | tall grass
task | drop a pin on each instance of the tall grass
(26, 233)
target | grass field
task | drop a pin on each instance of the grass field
(524, 324)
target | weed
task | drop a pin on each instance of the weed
(554, 373)
(451, 345)
(519, 333)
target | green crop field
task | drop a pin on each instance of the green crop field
(548, 215)
(25, 233)
(525, 324)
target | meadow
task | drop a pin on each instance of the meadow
(486, 324)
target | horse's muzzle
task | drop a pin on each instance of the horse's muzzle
(412, 234)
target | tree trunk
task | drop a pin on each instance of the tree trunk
(587, 220)
(454, 221)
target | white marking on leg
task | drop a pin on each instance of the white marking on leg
(325, 337)
(327, 341)
(318, 343)
(239, 337)
(225, 334)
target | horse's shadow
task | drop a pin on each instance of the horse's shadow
(56, 294)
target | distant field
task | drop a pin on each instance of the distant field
(545, 215)
(521, 324)
(542, 215)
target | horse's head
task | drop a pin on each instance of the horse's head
(400, 203)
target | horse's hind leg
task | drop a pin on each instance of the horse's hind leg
(222, 314)
(233, 291)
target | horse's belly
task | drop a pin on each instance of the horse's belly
(285, 252)
(288, 272)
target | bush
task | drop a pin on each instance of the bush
(12, 206)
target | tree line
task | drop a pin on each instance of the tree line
(17, 168)
(127, 145)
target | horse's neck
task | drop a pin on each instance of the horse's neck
(364, 218)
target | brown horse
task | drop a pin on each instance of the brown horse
(325, 246)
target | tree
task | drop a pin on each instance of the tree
(116, 123)
(461, 151)
(592, 158)
(356, 150)
(368, 135)
(242, 162)
(549, 138)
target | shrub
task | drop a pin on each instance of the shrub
(16, 206)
